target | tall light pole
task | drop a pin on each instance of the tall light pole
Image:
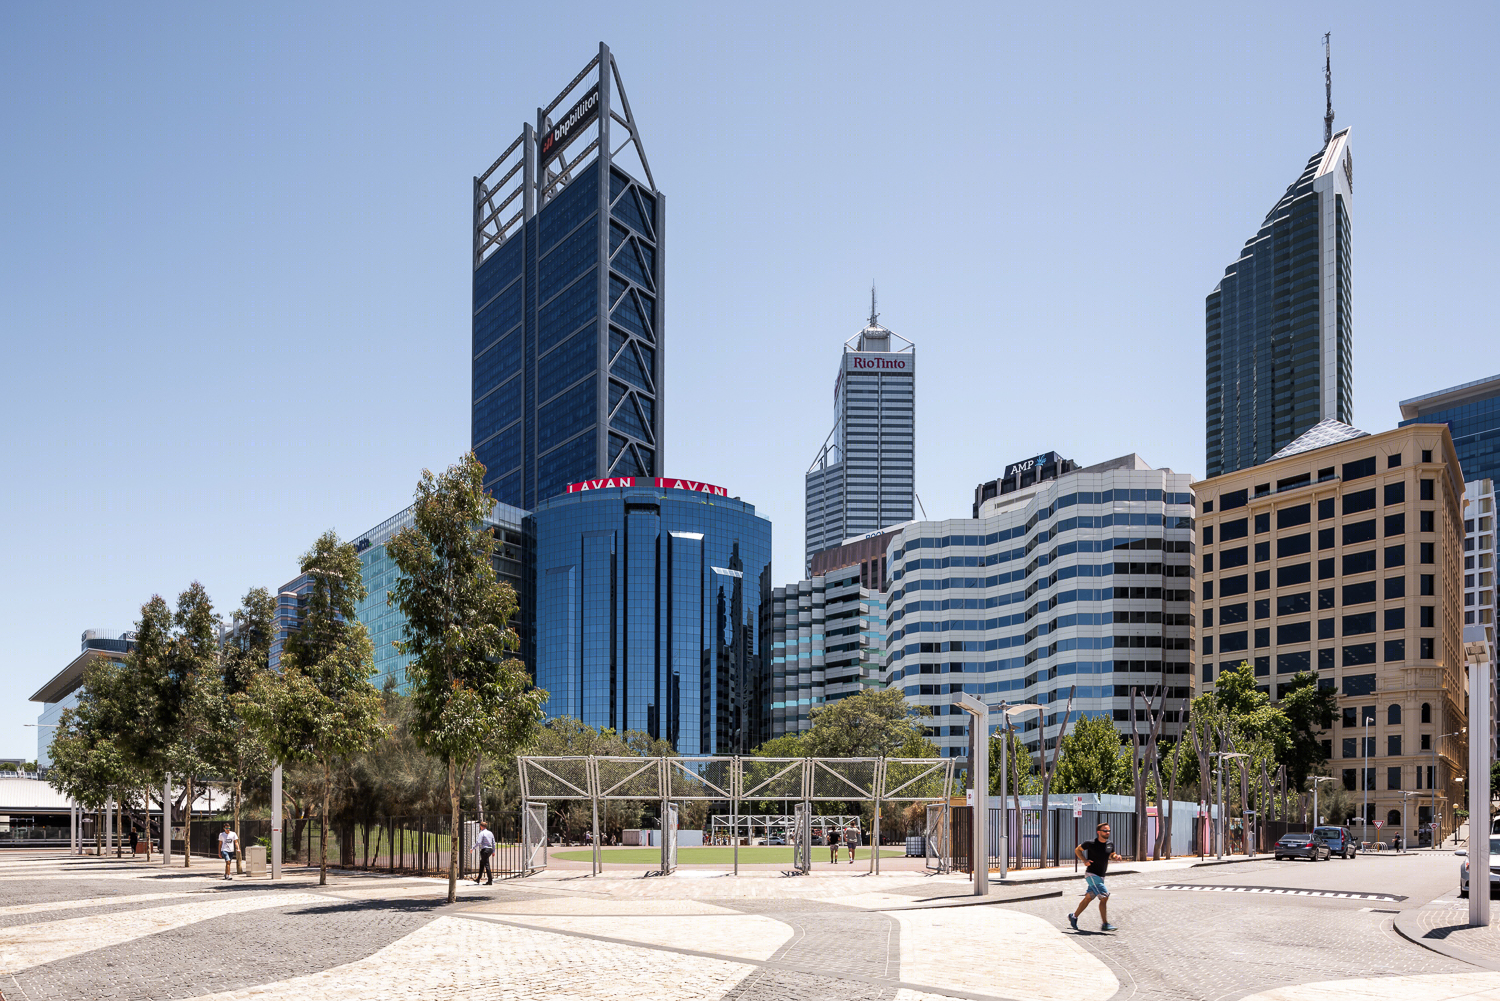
(1432, 780)
(979, 768)
(1006, 712)
(1477, 653)
(1364, 778)
(1405, 809)
(1316, 779)
(1221, 755)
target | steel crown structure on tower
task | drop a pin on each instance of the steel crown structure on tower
(568, 300)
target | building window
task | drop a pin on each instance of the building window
(1426, 718)
(1263, 522)
(1395, 556)
(1428, 554)
(1427, 585)
(1393, 778)
(1393, 717)
(1427, 490)
(1326, 569)
(1325, 538)
(1395, 493)
(1325, 598)
(1325, 508)
(1393, 745)
(1395, 618)
(1426, 455)
(1392, 461)
(1395, 524)
(1395, 587)
(1325, 629)
(1426, 653)
(1426, 616)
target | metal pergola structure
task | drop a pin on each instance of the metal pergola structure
(727, 825)
(733, 780)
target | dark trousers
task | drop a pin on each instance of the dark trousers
(484, 865)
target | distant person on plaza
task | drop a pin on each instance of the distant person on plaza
(851, 842)
(227, 841)
(486, 845)
(1098, 854)
(833, 846)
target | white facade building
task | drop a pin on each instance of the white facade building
(862, 479)
(1081, 580)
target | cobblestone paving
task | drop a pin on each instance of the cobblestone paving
(126, 931)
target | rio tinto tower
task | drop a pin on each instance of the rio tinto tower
(862, 479)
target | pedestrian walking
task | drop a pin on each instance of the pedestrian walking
(486, 845)
(833, 847)
(227, 841)
(851, 842)
(1098, 853)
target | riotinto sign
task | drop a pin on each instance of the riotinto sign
(578, 116)
(902, 362)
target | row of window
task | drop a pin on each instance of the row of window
(1301, 573)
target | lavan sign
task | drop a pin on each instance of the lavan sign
(659, 482)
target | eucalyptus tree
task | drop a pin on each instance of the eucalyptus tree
(238, 750)
(321, 708)
(467, 694)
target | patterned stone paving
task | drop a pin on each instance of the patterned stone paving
(81, 929)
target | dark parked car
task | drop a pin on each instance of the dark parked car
(1340, 841)
(1308, 846)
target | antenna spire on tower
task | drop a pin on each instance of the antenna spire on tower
(873, 315)
(1328, 87)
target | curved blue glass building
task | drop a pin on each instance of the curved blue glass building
(648, 596)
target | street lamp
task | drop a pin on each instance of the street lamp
(1432, 781)
(1006, 712)
(1405, 809)
(1221, 755)
(1364, 778)
(979, 770)
(1316, 779)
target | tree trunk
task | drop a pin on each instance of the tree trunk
(323, 828)
(98, 833)
(146, 822)
(239, 854)
(452, 831)
(187, 826)
(478, 788)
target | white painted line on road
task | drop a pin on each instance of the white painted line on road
(1285, 891)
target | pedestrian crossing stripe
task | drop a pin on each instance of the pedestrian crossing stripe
(1284, 891)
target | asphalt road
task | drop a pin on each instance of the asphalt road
(1223, 932)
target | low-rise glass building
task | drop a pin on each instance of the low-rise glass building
(827, 642)
(648, 597)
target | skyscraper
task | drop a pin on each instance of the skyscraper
(568, 298)
(1279, 353)
(862, 480)
(1472, 413)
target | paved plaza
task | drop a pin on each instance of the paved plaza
(1376, 927)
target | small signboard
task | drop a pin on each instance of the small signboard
(1077, 806)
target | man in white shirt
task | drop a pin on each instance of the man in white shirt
(486, 845)
(227, 840)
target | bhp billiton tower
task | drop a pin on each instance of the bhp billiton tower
(568, 298)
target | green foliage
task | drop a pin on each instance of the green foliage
(467, 695)
(1308, 711)
(1092, 759)
(321, 708)
(869, 724)
(1495, 780)
(1022, 779)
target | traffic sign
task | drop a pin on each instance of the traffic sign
(1379, 824)
(1077, 806)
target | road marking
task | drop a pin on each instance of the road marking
(1198, 888)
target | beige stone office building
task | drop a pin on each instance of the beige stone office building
(1342, 556)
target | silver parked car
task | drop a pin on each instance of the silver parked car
(1302, 845)
(1463, 870)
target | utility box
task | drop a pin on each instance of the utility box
(255, 860)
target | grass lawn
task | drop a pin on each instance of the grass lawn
(716, 855)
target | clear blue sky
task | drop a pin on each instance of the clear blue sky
(234, 256)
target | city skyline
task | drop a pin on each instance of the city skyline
(224, 376)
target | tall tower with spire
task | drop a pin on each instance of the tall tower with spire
(863, 477)
(1279, 325)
